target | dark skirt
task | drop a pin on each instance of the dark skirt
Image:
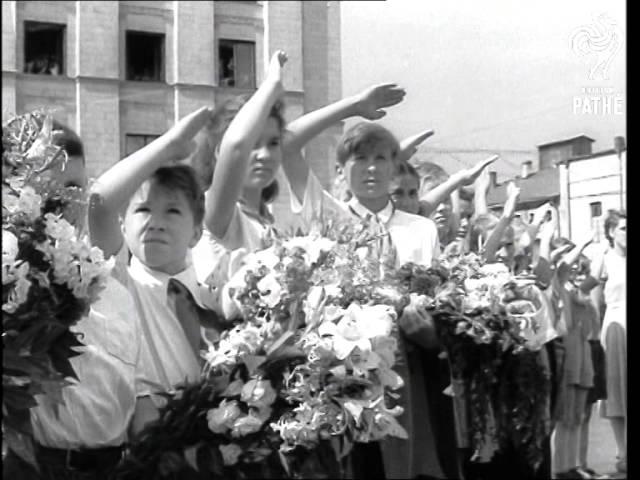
(599, 390)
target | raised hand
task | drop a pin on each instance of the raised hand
(540, 213)
(371, 101)
(513, 193)
(274, 71)
(223, 114)
(179, 138)
(409, 146)
(470, 175)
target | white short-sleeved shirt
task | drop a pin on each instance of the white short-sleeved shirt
(98, 408)
(415, 237)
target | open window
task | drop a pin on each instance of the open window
(236, 64)
(145, 56)
(134, 142)
(44, 48)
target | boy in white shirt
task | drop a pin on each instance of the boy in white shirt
(163, 208)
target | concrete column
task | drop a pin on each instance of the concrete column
(193, 47)
(9, 64)
(97, 39)
(564, 209)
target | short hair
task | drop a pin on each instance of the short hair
(405, 168)
(277, 112)
(466, 194)
(364, 136)
(611, 222)
(183, 178)
(432, 176)
(63, 136)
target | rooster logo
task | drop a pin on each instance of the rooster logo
(597, 44)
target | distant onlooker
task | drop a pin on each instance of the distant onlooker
(612, 270)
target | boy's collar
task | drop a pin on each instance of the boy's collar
(139, 269)
(361, 211)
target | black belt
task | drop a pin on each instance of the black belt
(81, 460)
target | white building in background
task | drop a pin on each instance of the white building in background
(121, 73)
(590, 185)
(580, 184)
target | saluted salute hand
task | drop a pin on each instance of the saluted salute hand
(470, 175)
(409, 146)
(370, 102)
(180, 138)
(274, 71)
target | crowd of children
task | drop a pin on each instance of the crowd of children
(179, 227)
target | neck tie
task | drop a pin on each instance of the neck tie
(191, 315)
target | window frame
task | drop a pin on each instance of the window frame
(61, 47)
(230, 42)
(128, 74)
(595, 207)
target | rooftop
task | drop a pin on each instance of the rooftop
(566, 140)
(603, 153)
(538, 188)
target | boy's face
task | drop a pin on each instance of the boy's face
(442, 218)
(159, 227)
(507, 250)
(619, 233)
(266, 157)
(404, 193)
(369, 172)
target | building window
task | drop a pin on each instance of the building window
(43, 48)
(134, 142)
(596, 209)
(236, 64)
(145, 56)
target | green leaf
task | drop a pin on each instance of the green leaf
(17, 418)
(279, 342)
(253, 362)
(22, 445)
(191, 456)
(17, 398)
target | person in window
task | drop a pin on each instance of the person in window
(54, 66)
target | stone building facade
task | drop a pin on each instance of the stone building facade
(121, 73)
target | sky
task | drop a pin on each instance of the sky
(496, 74)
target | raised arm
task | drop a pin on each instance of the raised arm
(235, 149)
(436, 196)
(203, 159)
(538, 218)
(409, 146)
(481, 188)
(493, 243)
(367, 104)
(111, 192)
(572, 256)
